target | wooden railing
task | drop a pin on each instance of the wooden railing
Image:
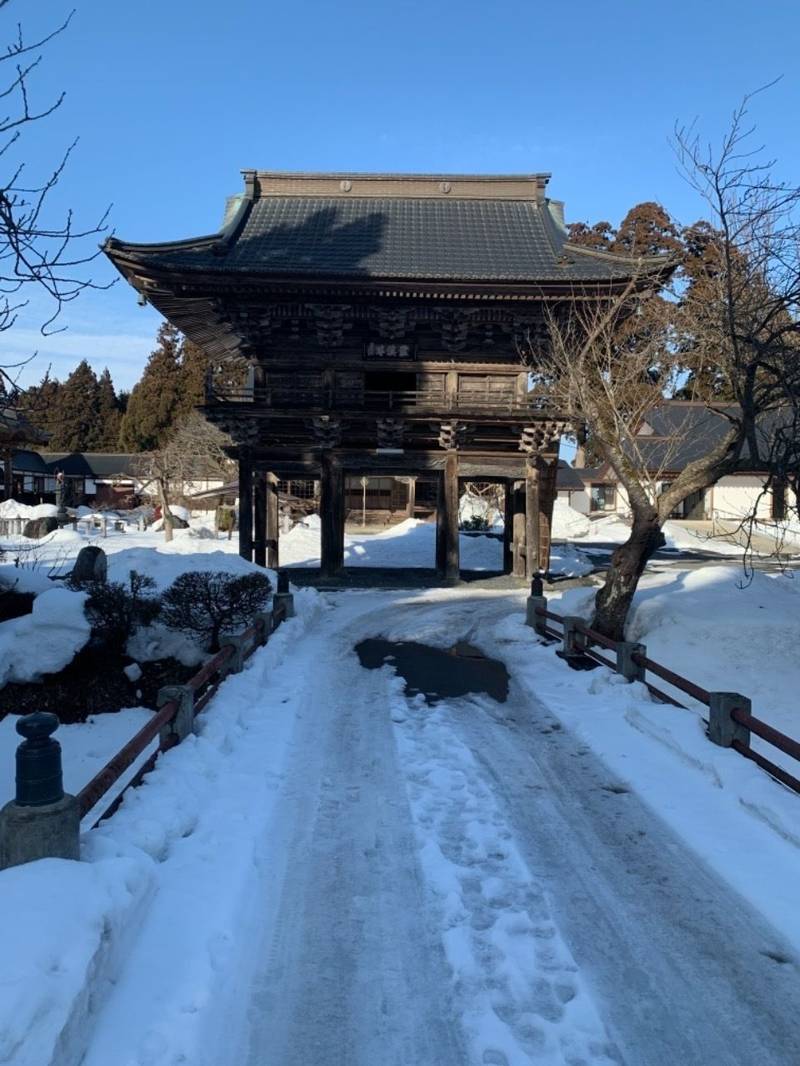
(174, 719)
(389, 400)
(730, 722)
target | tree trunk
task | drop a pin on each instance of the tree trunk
(166, 514)
(614, 599)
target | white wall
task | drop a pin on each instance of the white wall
(736, 495)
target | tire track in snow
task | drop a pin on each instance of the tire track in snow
(520, 993)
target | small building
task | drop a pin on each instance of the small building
(669, 438)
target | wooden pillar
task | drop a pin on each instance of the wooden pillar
(245, 505)
(331, 513)
(519, 565)
(8, 474)
(508, 527)
(447, 548)
(532, 518)
(411, 502)
(547, 498)
(273, 523)
(259, 518)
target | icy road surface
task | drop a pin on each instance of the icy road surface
(468, 884)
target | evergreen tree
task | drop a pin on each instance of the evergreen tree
(647, 230)
(40, 404)
(77, 412)
(157, 399)
(194, 363)
(106, 434)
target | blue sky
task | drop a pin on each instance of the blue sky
(171, 98)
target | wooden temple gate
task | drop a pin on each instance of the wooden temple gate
(372, 325)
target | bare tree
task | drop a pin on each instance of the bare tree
(733, 307)
(197, 449)
(39, 253)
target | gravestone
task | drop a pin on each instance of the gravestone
(36, 528)
(91, 565)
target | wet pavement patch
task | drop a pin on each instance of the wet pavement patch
(437, 673)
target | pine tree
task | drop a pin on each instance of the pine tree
(77, 411)
(194, 363)
(40, 403)
(156, 400)
(106, 435)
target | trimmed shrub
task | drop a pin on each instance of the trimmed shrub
(117, 611)
(208, 603)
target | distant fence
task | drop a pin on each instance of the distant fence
(44, 822)
(730, 722)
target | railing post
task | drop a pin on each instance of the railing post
(262, 620)
(626, 664)
(574, 645)
(537, 602)
(235, 663)
(722, 729)
(283, 600)
(183, 723)
(42, 821)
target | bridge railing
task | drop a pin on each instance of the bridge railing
(730, 720)
(44, 822)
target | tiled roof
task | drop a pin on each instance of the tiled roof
(92, 464)
(497, 237)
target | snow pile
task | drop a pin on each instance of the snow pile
(13, 509)
(567, 522)
(65, 928)
(24, 579)
(47, 639)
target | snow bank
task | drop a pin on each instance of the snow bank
(24, 579)
(13, 509)
(567, 522)
(47, 639)
(65, 928)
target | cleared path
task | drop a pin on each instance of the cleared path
(363, 965)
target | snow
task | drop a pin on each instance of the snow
(13, 509)
(567, 522)
(47, 639)
(330, 868)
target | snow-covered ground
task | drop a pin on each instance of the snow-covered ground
(331, 873)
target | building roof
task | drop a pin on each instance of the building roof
(471, 228)
(92, 464)
(678, 432)
(24, 461)
(567, 477)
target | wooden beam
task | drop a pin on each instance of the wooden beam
(508, 527)
(547, 498)
(245, 505)
(411, 501)
(331, 513)
(273, 524)
(447, 546)
(532, 498)
(519, 565)
(259, 518)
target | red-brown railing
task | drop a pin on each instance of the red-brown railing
(202, 685)
(739, 741)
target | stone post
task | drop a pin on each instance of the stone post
(42, 821)
(283, 600)
(626, 664)
(264, 623)
(574, 637)
(235, 663)
(183, 723)
(536, 621)
(722, 729)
